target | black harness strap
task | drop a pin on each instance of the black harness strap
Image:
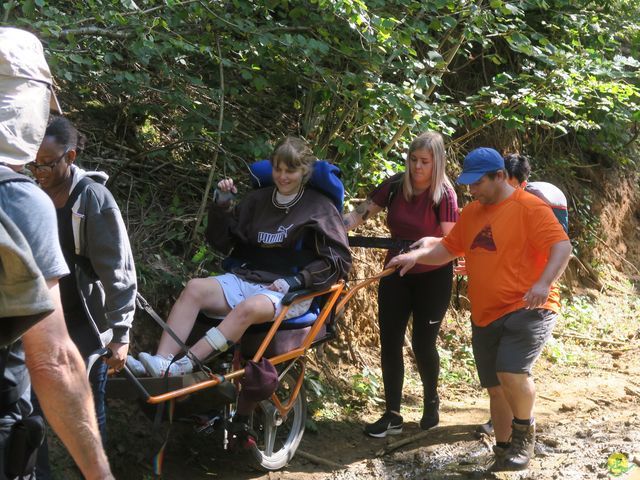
(279, 260)
(380, 242)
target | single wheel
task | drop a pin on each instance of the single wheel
(278, 437)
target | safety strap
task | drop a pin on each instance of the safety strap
(380, 242)
(142, 303)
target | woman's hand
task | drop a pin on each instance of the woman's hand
(357, 217)
(119, 355)
(280, 285)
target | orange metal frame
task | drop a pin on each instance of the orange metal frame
(337, 297)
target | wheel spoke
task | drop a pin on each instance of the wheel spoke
(270, 434)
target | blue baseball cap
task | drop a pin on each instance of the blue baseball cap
(479, 162)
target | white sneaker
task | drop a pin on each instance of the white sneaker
(136, 367)
(157, 365)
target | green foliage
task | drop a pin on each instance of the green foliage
(580, 315)
(367, 386)
(358, 78)
(559, 353)
(456, 360)
(346, 73)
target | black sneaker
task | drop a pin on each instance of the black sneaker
(389, 424)
(430, 416)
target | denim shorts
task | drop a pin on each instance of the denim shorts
(511, 344)
(237, 290)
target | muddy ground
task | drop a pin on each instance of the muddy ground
(584, 415)
(588, 408)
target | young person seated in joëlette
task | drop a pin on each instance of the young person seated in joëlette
(281, 238)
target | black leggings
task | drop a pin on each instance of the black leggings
(426, 296)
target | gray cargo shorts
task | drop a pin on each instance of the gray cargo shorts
(511, 344)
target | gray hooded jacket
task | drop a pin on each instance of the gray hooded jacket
(100, 235)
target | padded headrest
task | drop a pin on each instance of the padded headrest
(325, 178)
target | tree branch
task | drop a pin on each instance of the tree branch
(205, 195)
(103, 32)
(447, 61)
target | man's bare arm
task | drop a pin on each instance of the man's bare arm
(558, 260)
(59, 380)
(361, 214)
(437, 254)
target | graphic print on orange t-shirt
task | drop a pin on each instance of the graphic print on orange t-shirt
(484, 239)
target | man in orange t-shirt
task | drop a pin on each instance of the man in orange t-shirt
(515, 249)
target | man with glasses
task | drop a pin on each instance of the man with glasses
(54, 365)
(515, 250)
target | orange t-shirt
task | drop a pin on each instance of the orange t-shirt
(506, 247)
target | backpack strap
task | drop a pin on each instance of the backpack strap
(395, 182)
(7, 175)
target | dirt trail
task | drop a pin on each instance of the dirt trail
(584, 415)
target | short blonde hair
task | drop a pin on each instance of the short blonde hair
(294, 153)
(434, 143)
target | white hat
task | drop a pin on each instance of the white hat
(26, 96)
(22, 56)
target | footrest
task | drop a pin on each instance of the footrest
(119, 387)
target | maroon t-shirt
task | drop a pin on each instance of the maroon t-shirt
(417, 218)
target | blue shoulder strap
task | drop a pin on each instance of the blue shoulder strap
(325, 178)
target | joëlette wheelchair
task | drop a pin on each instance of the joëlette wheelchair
(278, 422)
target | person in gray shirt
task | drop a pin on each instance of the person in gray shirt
(45, 351)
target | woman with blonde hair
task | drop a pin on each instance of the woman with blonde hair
(420, 202)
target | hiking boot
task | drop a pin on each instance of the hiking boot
(499, 451)
(389, 424)
(157, 365)
(136, 367)
(485, 428)
(520, 453)
(430, 416)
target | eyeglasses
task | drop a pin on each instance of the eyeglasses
(47, 167)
